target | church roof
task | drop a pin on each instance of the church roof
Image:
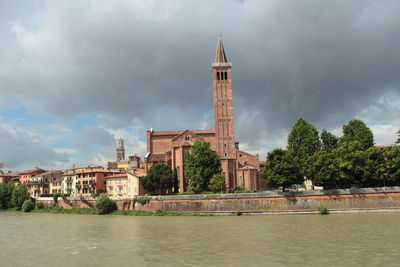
(220, 56)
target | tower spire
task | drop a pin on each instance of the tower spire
(220, 56)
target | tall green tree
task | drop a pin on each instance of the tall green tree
(200, 166)
(19, 195)
(303, 142)
(398, 138)
(392, 164)
(329, 142)
(160, 177)
(6, 190)
(357, 130)
(281, 169)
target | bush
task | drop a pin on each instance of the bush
(39, 206)
(28, 205)
(217, 183)
(143, 200)
(104, 205)
(322, 209)
(239, 189)
(238, 213)
(6, 190)
(56, 196)
(19, 195)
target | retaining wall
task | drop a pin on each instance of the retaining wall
(342, 199)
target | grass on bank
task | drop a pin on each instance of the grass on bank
(60, 210)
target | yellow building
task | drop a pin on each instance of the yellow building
(125, 185)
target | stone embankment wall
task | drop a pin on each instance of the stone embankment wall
(342, 199)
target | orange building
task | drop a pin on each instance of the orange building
(27, 175)
(240, 168)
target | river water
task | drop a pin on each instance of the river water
(275, 240)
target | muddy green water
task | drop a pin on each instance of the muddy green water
(281, 240)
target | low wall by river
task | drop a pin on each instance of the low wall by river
(341, 199)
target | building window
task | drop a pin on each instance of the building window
(226, 76)
(218, 77)
(225, 154)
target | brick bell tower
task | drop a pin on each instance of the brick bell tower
(225, 144)
(120, 150)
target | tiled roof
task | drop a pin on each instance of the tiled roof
(220, 56)
(156, 157)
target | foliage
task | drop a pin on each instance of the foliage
(281, 169)
(39, 205)
(19, 195)
(104, 205)
(238, 213)
(143, 200)
(217, 183)
(200, 166)
(398, 139)
(322, 210)
(28, 205)
(55, 197)
(329, 142)
(303, 139)
(357, 130)
(323, 168)
(160, 177)
(239, 189)
(392, 165)
(6, 190)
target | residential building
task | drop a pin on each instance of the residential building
(9, 176)
(45, 183)
(85, 180)
(125, 185)
(27, 175)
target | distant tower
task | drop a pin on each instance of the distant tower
(225, 145)
(120, 150)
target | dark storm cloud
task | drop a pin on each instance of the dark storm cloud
(150, 61)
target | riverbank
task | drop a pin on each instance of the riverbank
(272, 202)
(88, 211)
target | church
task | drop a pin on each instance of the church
(240, 168)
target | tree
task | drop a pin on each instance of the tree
(104, 205)
(329, 141)
(160, 177)
(323, 169)
(281, 169)
(19, 195)
(217, 183)
(6, 190)
(357, 130)
(200, 166)
(303, 139)
(392, 165)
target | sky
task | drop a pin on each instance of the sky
(77, 75)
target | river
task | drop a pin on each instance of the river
(371, 239)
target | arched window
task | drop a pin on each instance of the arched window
(218, 77)
(226, 75)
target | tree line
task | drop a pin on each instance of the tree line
(333, 162)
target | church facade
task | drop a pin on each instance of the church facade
(240, 168)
